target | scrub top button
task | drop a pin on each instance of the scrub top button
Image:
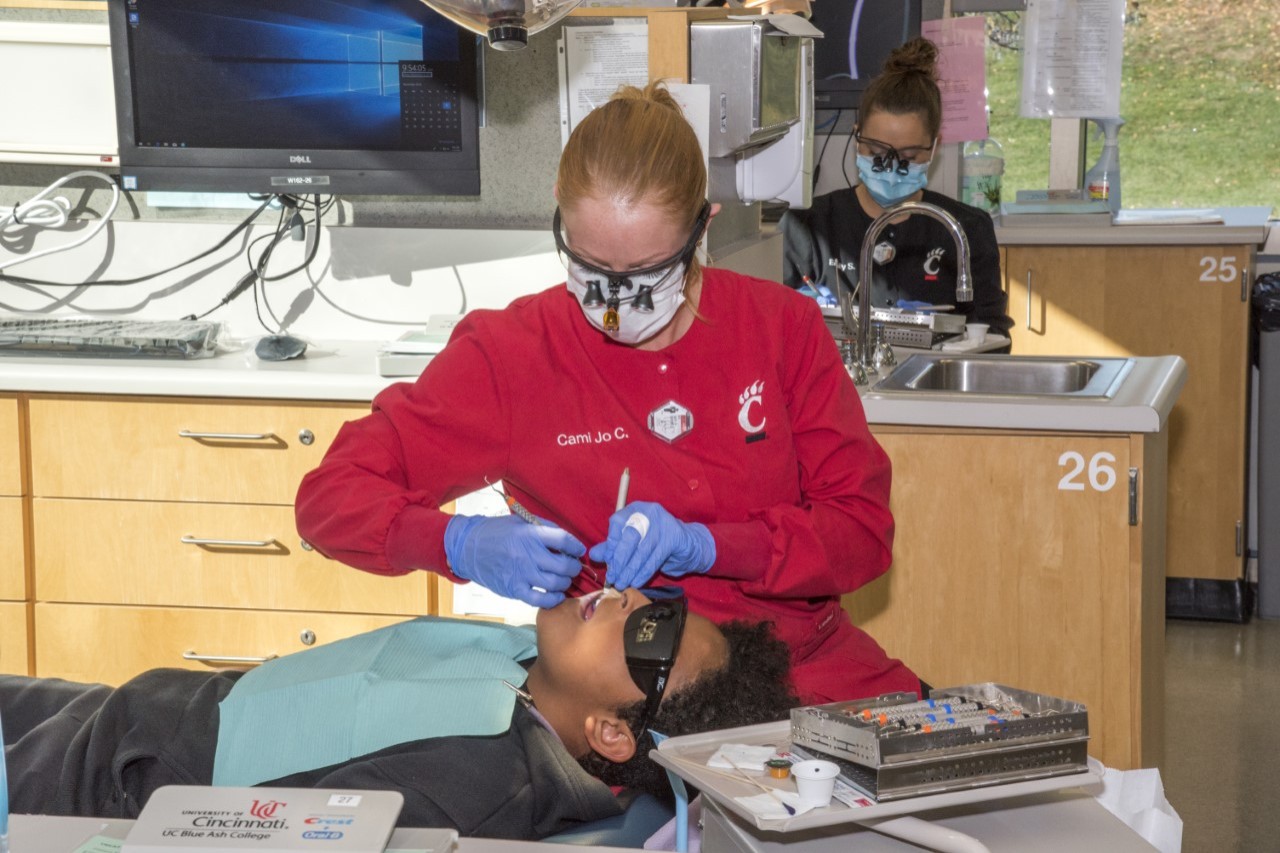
(693, 484)
(662, 368)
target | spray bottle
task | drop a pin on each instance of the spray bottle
(1102, 181)
(980, 169)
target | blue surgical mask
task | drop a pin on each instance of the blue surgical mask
(889, 187)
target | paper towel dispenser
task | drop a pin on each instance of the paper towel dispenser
(754, 72)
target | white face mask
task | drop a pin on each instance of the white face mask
(665, 288)
(631, 307)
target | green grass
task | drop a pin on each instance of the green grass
(1201, 101)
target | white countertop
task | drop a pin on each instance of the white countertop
(345, 371)
(1239, 226)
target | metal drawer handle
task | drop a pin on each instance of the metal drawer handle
(230, 543)
(212, 659)
(226, 436)
(1028, 300)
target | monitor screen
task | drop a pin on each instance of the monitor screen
(858, 36)
(356, 97)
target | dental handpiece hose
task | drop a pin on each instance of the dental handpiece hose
(4, 797)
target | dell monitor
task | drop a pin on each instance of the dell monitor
(858, 36)
(306, 97)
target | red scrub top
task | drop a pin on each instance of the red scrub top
(778, 463)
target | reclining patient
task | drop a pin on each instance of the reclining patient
(478, 728)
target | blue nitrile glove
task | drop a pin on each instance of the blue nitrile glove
(645, 539)
(913, 305)
(821, 293)
(506, 554)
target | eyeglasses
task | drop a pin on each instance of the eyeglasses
(886, 158)
(642, 281)
(651, 640)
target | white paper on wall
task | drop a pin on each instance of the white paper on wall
(594, 62)
(1072, 57)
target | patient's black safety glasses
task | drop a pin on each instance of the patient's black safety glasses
(651, 640)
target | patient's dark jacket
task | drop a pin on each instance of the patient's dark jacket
(76, 749)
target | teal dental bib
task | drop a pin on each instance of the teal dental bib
(426, 678)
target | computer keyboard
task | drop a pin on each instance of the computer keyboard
(103, 338)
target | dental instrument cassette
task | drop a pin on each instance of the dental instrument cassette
(894, 746)
(904, 327)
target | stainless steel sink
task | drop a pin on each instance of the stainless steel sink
(1008, 375)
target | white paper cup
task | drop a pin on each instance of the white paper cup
(815, 781)
(975, 332)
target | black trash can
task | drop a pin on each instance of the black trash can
(1266, 319)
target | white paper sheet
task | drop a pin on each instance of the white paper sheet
(594, 62)
(471, 599)
(1072, 57)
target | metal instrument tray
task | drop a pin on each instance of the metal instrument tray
(1039, 736)
(687, 756)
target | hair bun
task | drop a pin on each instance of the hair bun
(917, 56)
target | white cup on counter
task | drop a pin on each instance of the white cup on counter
(815, 781)
(975, 332)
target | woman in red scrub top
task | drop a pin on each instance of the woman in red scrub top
(755, 483)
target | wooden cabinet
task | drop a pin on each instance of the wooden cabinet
(85, 642)
(1020, 558)
(165, 449)
(14, 648)
(216, 555)
(161, 526)
(14, 612)
(1159, 300)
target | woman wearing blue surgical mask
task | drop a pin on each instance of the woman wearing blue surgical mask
(894, 143)
(755, 483)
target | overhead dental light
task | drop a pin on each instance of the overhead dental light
(506, 23)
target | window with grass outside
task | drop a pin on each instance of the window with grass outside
(1200, 98)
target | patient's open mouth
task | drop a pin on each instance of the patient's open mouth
(588, 603)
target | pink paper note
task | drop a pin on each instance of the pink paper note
(962, 75)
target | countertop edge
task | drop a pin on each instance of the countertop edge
(344, 372)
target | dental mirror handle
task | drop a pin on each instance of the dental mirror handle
(624, 484)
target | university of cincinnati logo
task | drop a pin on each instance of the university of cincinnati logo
(931, 264)
(265, 810)
(747, 399)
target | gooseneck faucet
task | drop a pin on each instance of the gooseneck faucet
(964, 285)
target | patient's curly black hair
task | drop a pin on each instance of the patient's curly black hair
(753, 687)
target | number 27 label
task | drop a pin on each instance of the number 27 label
(1097, 471)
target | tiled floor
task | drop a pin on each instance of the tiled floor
(1222, 734)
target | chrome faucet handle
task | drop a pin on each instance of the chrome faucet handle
(852, 364)
(882, 356)
(857, 372)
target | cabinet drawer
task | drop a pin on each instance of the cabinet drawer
(13, 583)
(13, 639)
(178, 450)
(132, 552)
(10, 448)
(111, 644)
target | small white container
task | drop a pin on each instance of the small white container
(975, 332)
(815, 781)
